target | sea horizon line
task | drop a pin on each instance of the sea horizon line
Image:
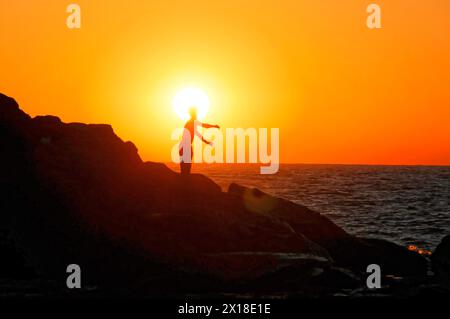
(319, 164)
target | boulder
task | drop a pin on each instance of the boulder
(441, 259)
(346, 250)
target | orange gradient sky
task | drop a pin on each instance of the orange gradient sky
(338, 91)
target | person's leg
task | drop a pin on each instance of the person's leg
(182, 164)
(182, 168)
(185, 167)
(190, 163)
(188, 168)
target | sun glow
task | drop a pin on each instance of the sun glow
(188, 98)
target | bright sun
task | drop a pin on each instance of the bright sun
(190, 97)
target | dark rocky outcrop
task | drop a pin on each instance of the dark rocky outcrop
(77, 193)
(441, 259)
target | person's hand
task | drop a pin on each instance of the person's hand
(211, 144)
(217, 126)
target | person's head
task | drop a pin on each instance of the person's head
(193, 112)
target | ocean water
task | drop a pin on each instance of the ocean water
(409, 205)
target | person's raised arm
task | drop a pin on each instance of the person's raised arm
(206, 125)
(202, 138)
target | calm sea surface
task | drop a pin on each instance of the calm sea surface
(404, 204)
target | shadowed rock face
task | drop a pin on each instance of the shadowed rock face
(441, 259)
(76, 193)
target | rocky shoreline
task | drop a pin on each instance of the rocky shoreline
(76, 193)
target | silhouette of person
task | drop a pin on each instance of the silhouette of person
(190, 131)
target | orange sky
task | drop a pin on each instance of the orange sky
(338, 91)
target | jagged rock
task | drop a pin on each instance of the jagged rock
(441, 259)
(345, 249)
(77, 193)
(14, 265)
